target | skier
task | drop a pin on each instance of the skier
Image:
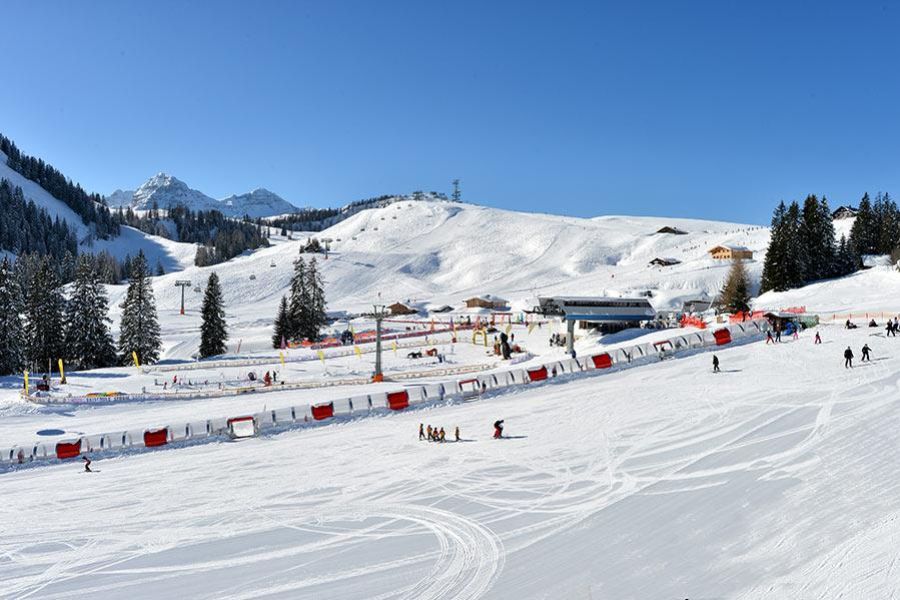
(421, 432)
(430, 435)
(848, 358)
(715, 364)
(818, 339)
(87, 464)
(442, 436)
(274, 376)
(498, 429)
(778, 334)
(769, 338)
(865, 353)
(457, 433)
(267, 380)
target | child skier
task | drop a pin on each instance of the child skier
(498, 429)
(818, 339)
(715, 364)
(87, 464)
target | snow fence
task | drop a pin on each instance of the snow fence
(292, 417)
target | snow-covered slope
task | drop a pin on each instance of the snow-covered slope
(43, 198)
(444, 252)
(167, 191)
(876, 289)
(772, 479)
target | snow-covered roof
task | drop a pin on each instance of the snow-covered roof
(731, 247)
(489, 298)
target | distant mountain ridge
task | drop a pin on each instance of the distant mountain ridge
(167, 192)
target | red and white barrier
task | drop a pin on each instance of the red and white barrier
(252, 425)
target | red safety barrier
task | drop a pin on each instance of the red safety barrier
(537, 374)
(398, 400)
(602, 361)
(156, 437)
(722, 336)
(68, 449)
(322, 411)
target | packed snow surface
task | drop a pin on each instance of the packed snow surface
(664, 481)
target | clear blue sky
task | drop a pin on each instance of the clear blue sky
(703, 109)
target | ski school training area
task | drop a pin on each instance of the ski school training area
(552, 301)
(628, 465)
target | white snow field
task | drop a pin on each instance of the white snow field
(775, 478)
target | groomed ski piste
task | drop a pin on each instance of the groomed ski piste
(772, 478)
(650, 479)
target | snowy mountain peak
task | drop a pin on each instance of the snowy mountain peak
(258, 203)
(167, 191)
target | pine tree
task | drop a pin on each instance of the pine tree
(318, 317)
(282, 331)
(298, 309)
(159, 268)
(139, 329)
(89, 344)
(11, 332)
(773, 275)
(44, 314)
(847, 260)
(864, 233)
(735, 294)
(887, 224)
(827, 253)
(213, 332)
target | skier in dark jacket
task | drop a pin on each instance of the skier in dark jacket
(87, 464)
(715, 364)
(848, 358)
(498, 429)
(865, 353)
(818, 339)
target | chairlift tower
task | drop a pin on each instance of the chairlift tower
(379, 313)
(183, 283)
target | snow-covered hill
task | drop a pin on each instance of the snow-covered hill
(167, 192)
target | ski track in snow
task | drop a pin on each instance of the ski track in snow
(626, 486)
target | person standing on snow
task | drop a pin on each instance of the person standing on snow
(865, 353)
(457, 433)
(769, 338)
(715, 364)
(848, 358)
(498, 429)
(818, 339)
(421, 432)
(87, 464)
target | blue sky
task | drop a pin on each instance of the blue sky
(702, 109)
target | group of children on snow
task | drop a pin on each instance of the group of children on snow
(433, 434)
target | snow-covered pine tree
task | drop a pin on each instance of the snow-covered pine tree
(213, 332)
(282, 331)
(139, 329)
(317, 314)
(298, 310)
(45, 334)
(89, 344)
(11, 333)
(735, 294)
